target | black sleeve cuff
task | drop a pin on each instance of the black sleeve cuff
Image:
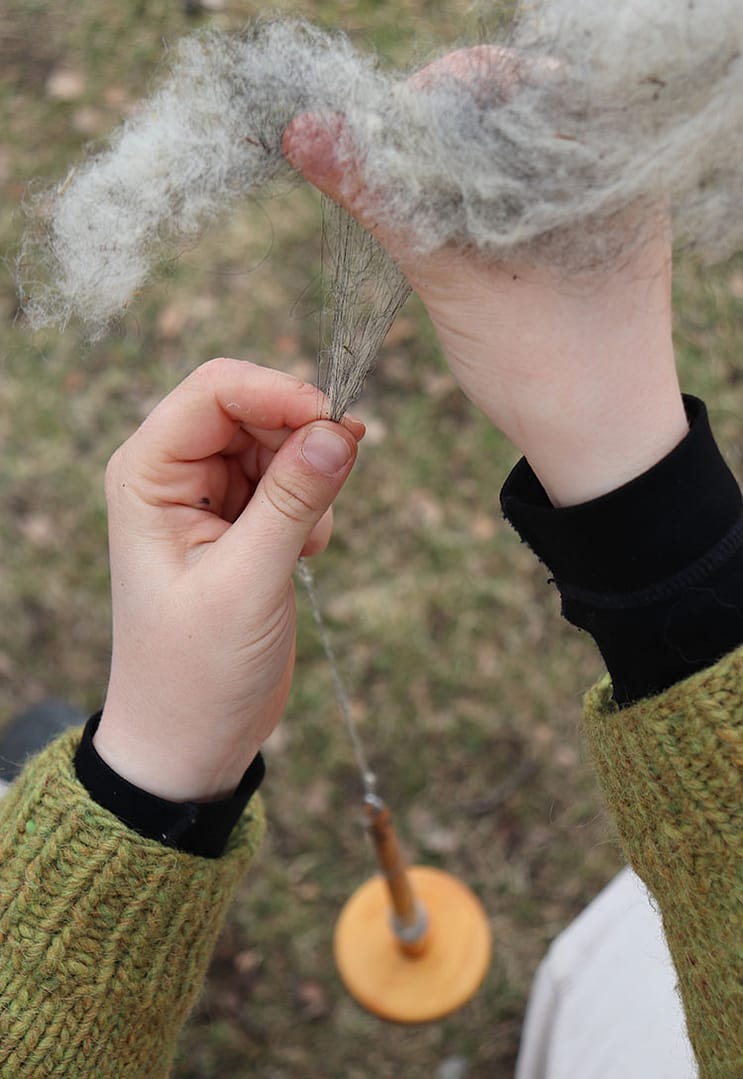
(654, 569)
(201, 828)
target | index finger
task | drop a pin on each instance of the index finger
(200, 417)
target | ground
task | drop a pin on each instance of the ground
(465, 684)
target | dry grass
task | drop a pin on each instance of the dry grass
(461, 673)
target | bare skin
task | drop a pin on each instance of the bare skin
(578, 373)
(214, 498)
(210, 503)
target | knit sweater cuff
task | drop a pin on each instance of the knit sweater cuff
(201, 828)
(106, 934)
(650, 529)
(654, 569)
(670, 770)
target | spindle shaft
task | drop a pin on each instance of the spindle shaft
(409, 921)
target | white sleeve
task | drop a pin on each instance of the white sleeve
(604, 1003)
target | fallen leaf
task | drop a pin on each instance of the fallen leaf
(316, 797)
(115, 97)
(38, 529)
(65, 84)
(431, 834)
(483, 526)
(89, 121)
(247, 963)
(453, 1067)
(426, 509)
(312, 1000)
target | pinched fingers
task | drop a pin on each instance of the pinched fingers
(206, 446)
(202, 415)
(322, 148)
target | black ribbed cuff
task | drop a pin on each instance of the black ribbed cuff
(654, 569)
(656, 525)
(201, 828)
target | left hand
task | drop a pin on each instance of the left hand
(210, 504)
(577, 369)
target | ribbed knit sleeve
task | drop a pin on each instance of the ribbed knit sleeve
(670, 767)
(105, 936)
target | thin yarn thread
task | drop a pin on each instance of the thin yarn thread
(365, 289)
(368, 778)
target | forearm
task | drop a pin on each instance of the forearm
(118, 865)
(670, 770)
(105, 936)
(654, 571)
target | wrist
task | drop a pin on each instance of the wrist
(602, 404)
(602, 445)
(173, 767)
(202, 829)
(579, 373)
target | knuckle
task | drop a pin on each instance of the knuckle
(213, 368)
(112, 475)
(118, 474)
(287, 497)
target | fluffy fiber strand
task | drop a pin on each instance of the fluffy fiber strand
(638, 99)
(365, 290)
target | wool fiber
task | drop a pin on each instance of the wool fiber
(364, 290)
(614, 104)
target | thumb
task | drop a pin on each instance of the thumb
(294, 493)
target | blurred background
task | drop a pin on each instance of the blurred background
(465, 684)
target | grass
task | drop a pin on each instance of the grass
(461, 673)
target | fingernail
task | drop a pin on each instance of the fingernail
(325, 451)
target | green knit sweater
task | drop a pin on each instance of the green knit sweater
(670, 768)
(105, 936)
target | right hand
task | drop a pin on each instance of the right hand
(577, 371)
(210, 503)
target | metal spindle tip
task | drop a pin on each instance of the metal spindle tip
(373, 801)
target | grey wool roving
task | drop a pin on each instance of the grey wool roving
(613, 103)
